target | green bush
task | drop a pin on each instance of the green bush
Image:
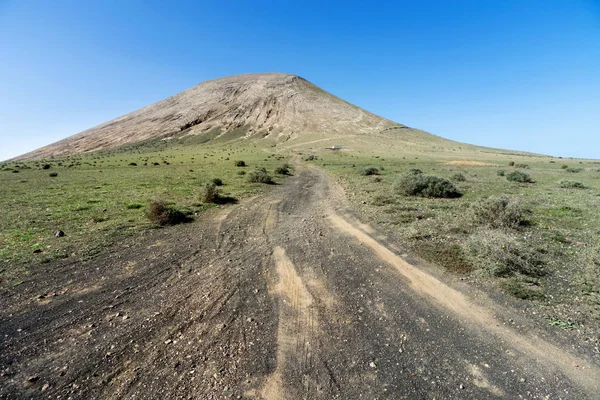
(574, 170)
(521, 166)
(260, 176)
(426, 186)
(500, 172)
(210, 193)
(564, 166)
(415, 171)
(518, 176)
(571, 185)
(241, 172)
(499, 212)
(459, 177)
(505, 254)
(134, 206)
(369, 171)
(240, 163)
(53, 174)
(511, 164)
(217, 181)
(47, 166)
(283, 170)
(162, 214)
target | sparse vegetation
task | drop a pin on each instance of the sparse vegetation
(574, 170)
(521, 166)
(134, 206)
(423, 185)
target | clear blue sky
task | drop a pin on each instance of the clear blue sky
(512, 74)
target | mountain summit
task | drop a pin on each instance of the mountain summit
(274, 105)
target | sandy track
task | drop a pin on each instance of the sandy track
(284, 296)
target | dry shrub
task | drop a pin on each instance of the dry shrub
(162, 214)
(499, 212)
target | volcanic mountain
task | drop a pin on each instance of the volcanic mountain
(274, 105)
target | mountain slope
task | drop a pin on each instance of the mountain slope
(276, 105)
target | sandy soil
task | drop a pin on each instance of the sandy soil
(284, 296)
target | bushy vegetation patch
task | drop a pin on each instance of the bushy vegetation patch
(162, 214)
(524, 289)
(521, 166)
(369, 171)
(217, 181)
(500, 172)
(240, 163)
(574, 170)
(260, 176)
(133, 206)
(426, 186)
(458, 177)
(448, 255)
(210, 193)
(504, 254)
(518, 176)
(283, 170)
(499, 212)
(571, 185)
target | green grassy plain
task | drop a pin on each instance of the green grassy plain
(99, 198)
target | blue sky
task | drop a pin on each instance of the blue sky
(520, 75)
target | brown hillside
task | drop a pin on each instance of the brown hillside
(270, 105)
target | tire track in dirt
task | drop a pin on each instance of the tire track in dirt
(423, 284)
(297, 329)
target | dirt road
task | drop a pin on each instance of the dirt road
(285, 296)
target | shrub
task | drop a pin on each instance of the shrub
(240, 163)
(574, 170)
(511, 164)
(458, 178)
(500, 172)
(449, 256)
(426, 186)
(522, 290)
(311, 157)
(211, 193)
(47, 166)
(134, 206)
(241, 172)
(260, 176)
(518, 176)
(162, 214)
(571, 185)
(132, 164)
(217, 181)
(283, 170)
(564, 166)
(505, 254)
(415, 171)
(377, 179)
(499, 212)
(53, 174)
(369, 171)
(521, 166)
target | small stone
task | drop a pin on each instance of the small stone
(59, 233)
(33, 379)
(249, 319)
(522, 380)
(461, 386)
(372, 365)
(45, 387)
(168, 341)
(37, 251)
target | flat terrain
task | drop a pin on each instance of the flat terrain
(285, 295)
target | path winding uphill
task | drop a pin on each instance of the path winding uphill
(284, 296)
